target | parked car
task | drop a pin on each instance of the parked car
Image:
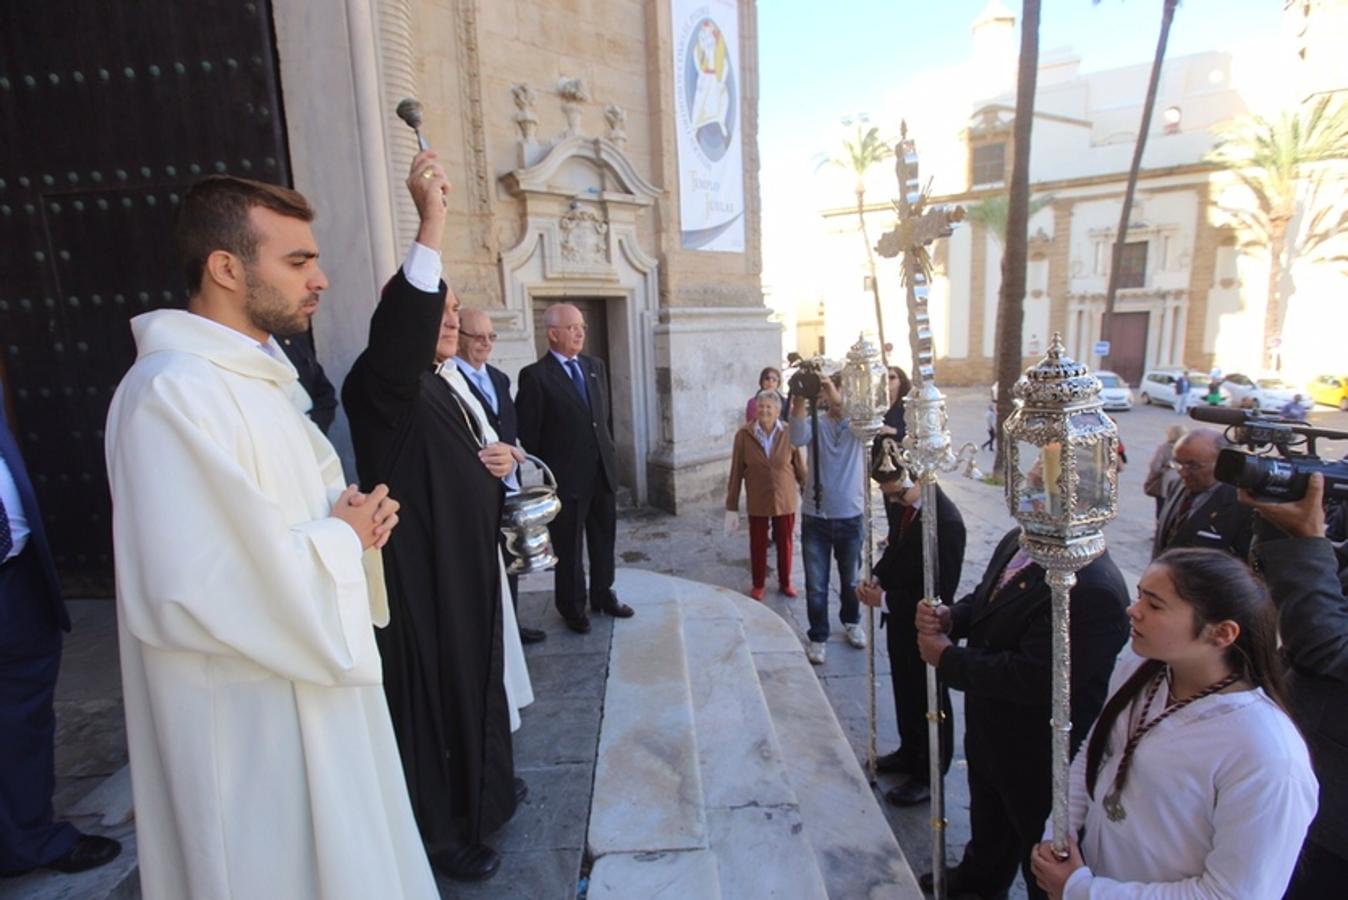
(1264, 392)
(1158, 386)
(1331, 390)
(1116, 393)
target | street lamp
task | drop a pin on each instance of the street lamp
(1062, 487)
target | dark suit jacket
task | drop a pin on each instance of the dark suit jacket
(1303, 578)
(575, 441)
(37, 538)
(504, 421)
(299, 349)
(1006, 668)
(899, 571)
(1221, 515)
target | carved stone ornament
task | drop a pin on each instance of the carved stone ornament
(573, 93)
(582, 239)
(526, 119)
(616, 117)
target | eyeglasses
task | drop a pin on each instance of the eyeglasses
(573, 328)
(1190, 466)
(489, 338)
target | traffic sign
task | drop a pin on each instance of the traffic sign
(1102, 348)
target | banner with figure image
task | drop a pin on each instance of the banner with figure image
(707, 87)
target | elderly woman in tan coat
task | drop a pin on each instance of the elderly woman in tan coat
(772, 472)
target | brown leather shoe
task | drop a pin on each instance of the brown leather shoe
(579, 624)
(615, 608)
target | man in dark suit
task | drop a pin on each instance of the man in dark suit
(1006, 673)
(1199, 510)
(32, 617)
(565, 419)
(899, 584)
(491, 387)
(299, 349)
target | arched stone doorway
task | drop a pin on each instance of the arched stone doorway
(581, 200)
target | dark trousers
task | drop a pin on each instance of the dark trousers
(1006, 820)
(1319, 874)
(590, 521)
(908, 675)
(782, 527)
(30, 656)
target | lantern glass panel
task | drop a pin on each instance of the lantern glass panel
(1040, 479)
(1092, 477)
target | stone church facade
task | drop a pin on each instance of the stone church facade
(556, 122)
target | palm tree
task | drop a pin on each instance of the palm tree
(1279, 163)
(1011, 303)
(857, 157)
(1121, 236)
(991, 212)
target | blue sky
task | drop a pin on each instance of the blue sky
(820, 61)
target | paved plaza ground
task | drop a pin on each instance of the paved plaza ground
(555, 749)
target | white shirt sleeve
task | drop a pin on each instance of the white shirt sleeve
(423, 268)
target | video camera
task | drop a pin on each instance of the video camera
(806, 381)
(1280, 478)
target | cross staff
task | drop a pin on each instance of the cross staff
(926, 446)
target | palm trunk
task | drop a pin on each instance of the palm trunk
(1011, 304)
(1275, 311)
(875, 282)
(1116, 258)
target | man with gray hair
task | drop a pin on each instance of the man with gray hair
(566, 420)
(1199, 510)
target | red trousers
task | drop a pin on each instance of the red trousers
(782, 527)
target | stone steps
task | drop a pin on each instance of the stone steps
(762, 786)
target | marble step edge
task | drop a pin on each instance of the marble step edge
(754, 818)
(647, 794)
(853, 842)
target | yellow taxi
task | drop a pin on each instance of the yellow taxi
(1331, 390)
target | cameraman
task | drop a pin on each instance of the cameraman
(831, 522)
(1306, 578)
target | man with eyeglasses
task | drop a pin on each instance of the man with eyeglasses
(491, 387)
(566, 420)
(1199, 510)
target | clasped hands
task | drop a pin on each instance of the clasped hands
(371, 516)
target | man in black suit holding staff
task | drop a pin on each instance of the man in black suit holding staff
(565, 420)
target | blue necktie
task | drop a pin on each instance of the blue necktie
(578, 378)
(484, 385)
(6, 537)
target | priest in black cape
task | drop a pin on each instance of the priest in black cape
(443, 648)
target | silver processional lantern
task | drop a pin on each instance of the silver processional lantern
(865, 399)
(1062, 466)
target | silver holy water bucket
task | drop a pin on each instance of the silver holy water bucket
(524, 522)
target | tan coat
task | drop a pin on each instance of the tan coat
(771, 485)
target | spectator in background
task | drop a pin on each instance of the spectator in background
(1306, 575)
(1181, 394)
(1295, 408)
(1160, 474)
(772, 471)
(769, 379)
(1201, 511)
(990, 417)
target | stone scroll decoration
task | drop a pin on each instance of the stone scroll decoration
(583, 236)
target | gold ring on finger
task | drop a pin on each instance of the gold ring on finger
(428, 174)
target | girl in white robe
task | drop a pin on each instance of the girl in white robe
(1194, 783)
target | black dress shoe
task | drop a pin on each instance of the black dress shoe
(521, 791)
(891, 763)
(90, 852)
(579, 624)
(476, 863)
(956, 888)
(615, 608)
(910, 793)
(532, 635)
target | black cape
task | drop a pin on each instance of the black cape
(442, 650)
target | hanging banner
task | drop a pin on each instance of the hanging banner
(707, 86)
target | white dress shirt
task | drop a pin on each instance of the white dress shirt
(18, 522)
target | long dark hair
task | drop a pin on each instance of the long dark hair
(1218, 587)
(905, 383)
(770, 370)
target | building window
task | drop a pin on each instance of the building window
(1133, 265)
(987, 164)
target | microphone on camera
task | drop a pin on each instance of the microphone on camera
(1218, 415)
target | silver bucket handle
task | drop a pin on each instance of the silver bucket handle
(547, 473)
